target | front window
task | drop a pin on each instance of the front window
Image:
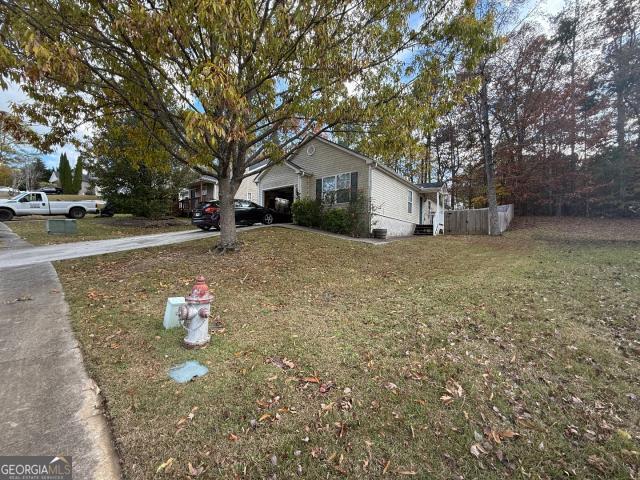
(249, 196)
(409, 201)
(328, 187)
(343, 191)
(337, 187)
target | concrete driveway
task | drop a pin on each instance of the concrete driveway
(12, 256)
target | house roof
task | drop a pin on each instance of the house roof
(430, 185)
(288, 163)
(422, 187)
(204, 179)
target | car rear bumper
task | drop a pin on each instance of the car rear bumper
(204, 221)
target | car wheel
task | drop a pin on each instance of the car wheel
(5, 215)
(268, 219)
(205, 227)
(77, 213)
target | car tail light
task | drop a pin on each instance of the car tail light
(210, 209)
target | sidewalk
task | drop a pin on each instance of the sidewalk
(48, 404)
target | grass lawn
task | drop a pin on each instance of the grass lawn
(34, 229)
(446, 357)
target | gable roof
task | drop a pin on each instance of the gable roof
(421, 187)
(295, 167)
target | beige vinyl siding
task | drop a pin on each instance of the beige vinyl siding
(248, 185)
(329, 160)
(278, 176)
(389, 198)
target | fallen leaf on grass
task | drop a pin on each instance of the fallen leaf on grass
(165, 465)
(598, 463)
(476, 450)
(280, 362)
(446, 399)
(264, 417)
(232, 437)
(325, 387)
(454, 389)
(310, 379)
(193, 471)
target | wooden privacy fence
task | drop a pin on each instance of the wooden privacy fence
(476, 221)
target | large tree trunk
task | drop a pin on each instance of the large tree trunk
(228, 235)
(487, 153)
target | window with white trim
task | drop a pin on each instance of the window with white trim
(337, 188)
(249, 196)
(409, 201)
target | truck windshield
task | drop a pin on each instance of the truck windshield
(17, 197)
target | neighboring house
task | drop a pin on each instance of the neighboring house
(85, 187)
(323, 168)
(203, 189)
(88, 182)
(206, 188)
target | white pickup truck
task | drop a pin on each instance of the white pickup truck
(37, 203)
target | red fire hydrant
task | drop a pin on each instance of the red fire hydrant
(194, 315)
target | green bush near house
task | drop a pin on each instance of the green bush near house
(307, 212)
(336, 220)
(350, 220)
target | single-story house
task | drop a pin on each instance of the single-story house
(323, 168)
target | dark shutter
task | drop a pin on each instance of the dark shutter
(319, 189)
(354, 185)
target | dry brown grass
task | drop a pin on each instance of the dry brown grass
(445, 357)
(34, 229)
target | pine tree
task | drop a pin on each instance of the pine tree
(65, 175)
(77, 176)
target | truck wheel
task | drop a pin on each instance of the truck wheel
(77, 213)
(5, 215)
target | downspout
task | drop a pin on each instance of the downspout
(369, 194)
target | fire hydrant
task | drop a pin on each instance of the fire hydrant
(194, 315)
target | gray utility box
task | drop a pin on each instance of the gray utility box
(62, 226)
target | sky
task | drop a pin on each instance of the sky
(13, 95)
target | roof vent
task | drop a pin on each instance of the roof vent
(311, 149)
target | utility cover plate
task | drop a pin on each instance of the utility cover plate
(187, 371)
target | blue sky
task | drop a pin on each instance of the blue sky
(14, 95)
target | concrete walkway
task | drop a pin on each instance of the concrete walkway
(12, 257)
(48, 404)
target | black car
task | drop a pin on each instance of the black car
(51, 190)
(207, 215)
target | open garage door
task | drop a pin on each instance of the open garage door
(280, 200)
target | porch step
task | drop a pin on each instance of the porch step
(423, 230)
